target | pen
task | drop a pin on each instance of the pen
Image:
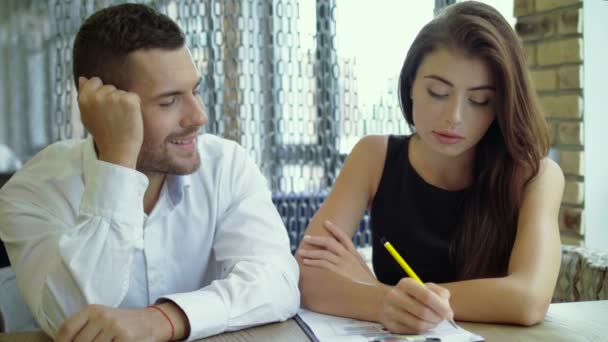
(410, 272)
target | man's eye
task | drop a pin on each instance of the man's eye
(169, 103)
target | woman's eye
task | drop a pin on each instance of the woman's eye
(436, 94)
(478, 102)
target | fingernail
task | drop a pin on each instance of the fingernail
(306, 237)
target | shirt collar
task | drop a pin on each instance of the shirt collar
(176, 186)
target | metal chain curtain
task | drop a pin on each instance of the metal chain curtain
(289, 98)
(26, 53)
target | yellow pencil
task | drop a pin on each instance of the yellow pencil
(410, 272)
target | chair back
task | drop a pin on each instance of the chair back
(4, 262)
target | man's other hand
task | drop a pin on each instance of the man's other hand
(102, 323)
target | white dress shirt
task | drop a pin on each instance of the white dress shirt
(76, 234)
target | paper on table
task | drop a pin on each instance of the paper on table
(340, 329)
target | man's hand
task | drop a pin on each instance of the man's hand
(102, 323)
(335, 253)
(114, 118)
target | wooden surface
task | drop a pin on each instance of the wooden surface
(581, 321)
(287, 331)
(572, 322)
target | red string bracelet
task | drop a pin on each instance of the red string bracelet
(168, 319)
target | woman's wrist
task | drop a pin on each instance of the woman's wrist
(380, 291)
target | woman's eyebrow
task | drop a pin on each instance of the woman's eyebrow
(443, 80)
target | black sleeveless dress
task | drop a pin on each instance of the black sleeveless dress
(417, 218)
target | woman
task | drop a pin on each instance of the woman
(470, 200)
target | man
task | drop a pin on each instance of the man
(99, 230)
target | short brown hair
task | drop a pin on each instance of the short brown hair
(107, 37)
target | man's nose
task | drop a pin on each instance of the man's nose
(196, 115)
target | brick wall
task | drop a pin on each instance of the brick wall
(552, 35)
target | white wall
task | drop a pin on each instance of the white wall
(595, 85)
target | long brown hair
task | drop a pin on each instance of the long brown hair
(509, 154)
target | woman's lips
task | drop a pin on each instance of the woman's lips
(447, 138)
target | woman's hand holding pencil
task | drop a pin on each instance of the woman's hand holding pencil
(410, 307)
(442, 292)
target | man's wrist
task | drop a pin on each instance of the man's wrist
(174, 321)
(126, 159)
(159, 326)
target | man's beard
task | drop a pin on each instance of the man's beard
(158, 160)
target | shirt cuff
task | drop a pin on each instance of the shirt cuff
(115, 192)
(207, 314)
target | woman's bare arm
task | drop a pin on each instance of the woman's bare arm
(524, 295)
